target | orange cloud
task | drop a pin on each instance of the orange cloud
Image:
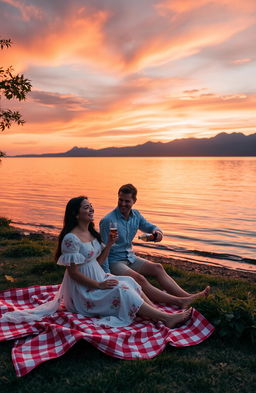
(59, 41)
(70, 115)
(187, 41)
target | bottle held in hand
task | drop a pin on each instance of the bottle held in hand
(148, 237)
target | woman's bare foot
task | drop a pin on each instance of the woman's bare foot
(186, 301)
(178, 318)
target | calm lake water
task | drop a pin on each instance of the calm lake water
(205, 206)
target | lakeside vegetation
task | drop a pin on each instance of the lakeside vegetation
(223, 363)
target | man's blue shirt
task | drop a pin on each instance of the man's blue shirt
(122, 249)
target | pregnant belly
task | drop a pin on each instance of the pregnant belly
(93, 270)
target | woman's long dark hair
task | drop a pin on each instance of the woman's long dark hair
(70, 222)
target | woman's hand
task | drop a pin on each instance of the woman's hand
(112, 238)
(108, 284)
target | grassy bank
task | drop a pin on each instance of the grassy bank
(224, 363)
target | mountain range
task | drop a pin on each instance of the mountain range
(223, 144)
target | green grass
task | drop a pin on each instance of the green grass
(211, 367)
(218, 365)
(26, 249)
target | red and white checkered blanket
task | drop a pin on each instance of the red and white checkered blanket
(54, 335)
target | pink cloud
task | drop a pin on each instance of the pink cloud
(187, 6)
(27, 12)
(241, 61)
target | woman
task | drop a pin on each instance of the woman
(86, 288)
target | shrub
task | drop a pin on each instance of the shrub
(11, 234)
(4, 222)
(234, 319)
(7, 232)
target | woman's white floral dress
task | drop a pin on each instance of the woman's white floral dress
(113, 307)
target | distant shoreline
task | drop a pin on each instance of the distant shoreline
(151, 156)
(235, 144)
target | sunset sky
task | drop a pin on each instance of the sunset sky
(123, 72)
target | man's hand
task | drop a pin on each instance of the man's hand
(108, 284)
(158, 236)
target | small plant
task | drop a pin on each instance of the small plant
(4, 222)
(36, 236)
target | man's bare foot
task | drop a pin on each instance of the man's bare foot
(178, 318)
(206, 291)
(184, 302)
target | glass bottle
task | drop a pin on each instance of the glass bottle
(148, 237)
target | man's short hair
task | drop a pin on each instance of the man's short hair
(129, 189)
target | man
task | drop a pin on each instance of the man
(123, 261)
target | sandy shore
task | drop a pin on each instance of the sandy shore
(202, 268)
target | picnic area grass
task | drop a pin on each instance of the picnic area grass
(225, 362)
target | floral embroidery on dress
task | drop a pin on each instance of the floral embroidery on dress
(89, 304)
(133, 311)
(115, 302)
(90, 254)
(68, 243)
(123, 286)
